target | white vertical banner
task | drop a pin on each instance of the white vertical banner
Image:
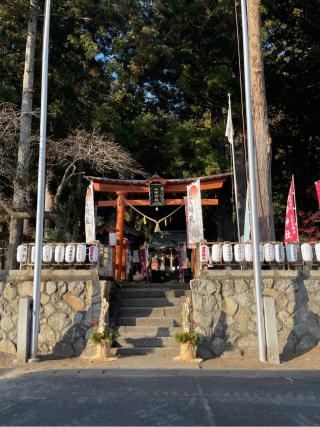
(194, 214)
(90, 226)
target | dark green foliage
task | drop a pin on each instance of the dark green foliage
(184, 337)
(109, 335)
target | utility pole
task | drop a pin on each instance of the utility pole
(41, 187)
(253, 189)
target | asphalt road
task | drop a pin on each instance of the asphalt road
(174, 398)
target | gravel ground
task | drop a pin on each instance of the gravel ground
(306, 361)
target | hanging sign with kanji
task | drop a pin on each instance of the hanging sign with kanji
(194, 214)
(156, 194)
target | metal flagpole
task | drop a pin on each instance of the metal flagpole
(253, 191)
(41, 187)
(235, 178)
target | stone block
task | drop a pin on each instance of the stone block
(9, 293)
(248, 343)
(59, 321)
(25, 289)
(271, 330)
(229, 306)
(241, 286)
(269, 292)
(6, 324)
(47, 334)
(227, 288)
(268, 283)
(62, 287)
(44, 299)
(51, 287)
(291, 307)
(48, 310)
(75, 302)
(7, 346)
(76, 288)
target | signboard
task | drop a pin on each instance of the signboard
(90, 227)
(156, 194)
(194, 214)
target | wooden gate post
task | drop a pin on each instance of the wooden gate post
(119, 233)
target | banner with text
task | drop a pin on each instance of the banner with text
(194, 214)
(317, 183)
(291, 226)
(90, 226)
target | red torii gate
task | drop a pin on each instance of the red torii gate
(122, 188)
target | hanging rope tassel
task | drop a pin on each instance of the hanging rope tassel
(157, 222)
(157, 228)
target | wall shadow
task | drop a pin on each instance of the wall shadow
(217, 343)
(305, 334)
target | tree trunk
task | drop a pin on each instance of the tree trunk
(261, 124)
(21, 196)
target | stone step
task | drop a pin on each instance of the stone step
(150, 302)
(142, 342)
(147, 331)
(148, 321)
(173, 312)
(153, 293)
(158, 352)
(167, 285)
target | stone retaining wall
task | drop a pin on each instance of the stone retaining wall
(70, 302)
(224, 310)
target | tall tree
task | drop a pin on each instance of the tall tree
(21, 191)
(261, 124)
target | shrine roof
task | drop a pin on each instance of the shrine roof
(155, 178)
(140, 186)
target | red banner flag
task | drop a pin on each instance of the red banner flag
(317, 183)
(291, 226)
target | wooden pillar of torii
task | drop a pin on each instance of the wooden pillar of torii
(124, 188)
(119, 266)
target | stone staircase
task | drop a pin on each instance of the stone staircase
(149, 315)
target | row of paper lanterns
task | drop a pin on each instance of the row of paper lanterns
(269, 252)
(70, 253)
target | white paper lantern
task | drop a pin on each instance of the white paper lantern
(33, 254)
(22, 253)
(59, 253)
(239, 252)
(81, 252)
(93, 253)
(112, 239)
(70, 253)
(47, 253)
(279, 253)
(317, 251)
(248, 252)
(204, 253)
(269, 253)
(216, 252)
(307, 252)
(227, 252)
(292, 252)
